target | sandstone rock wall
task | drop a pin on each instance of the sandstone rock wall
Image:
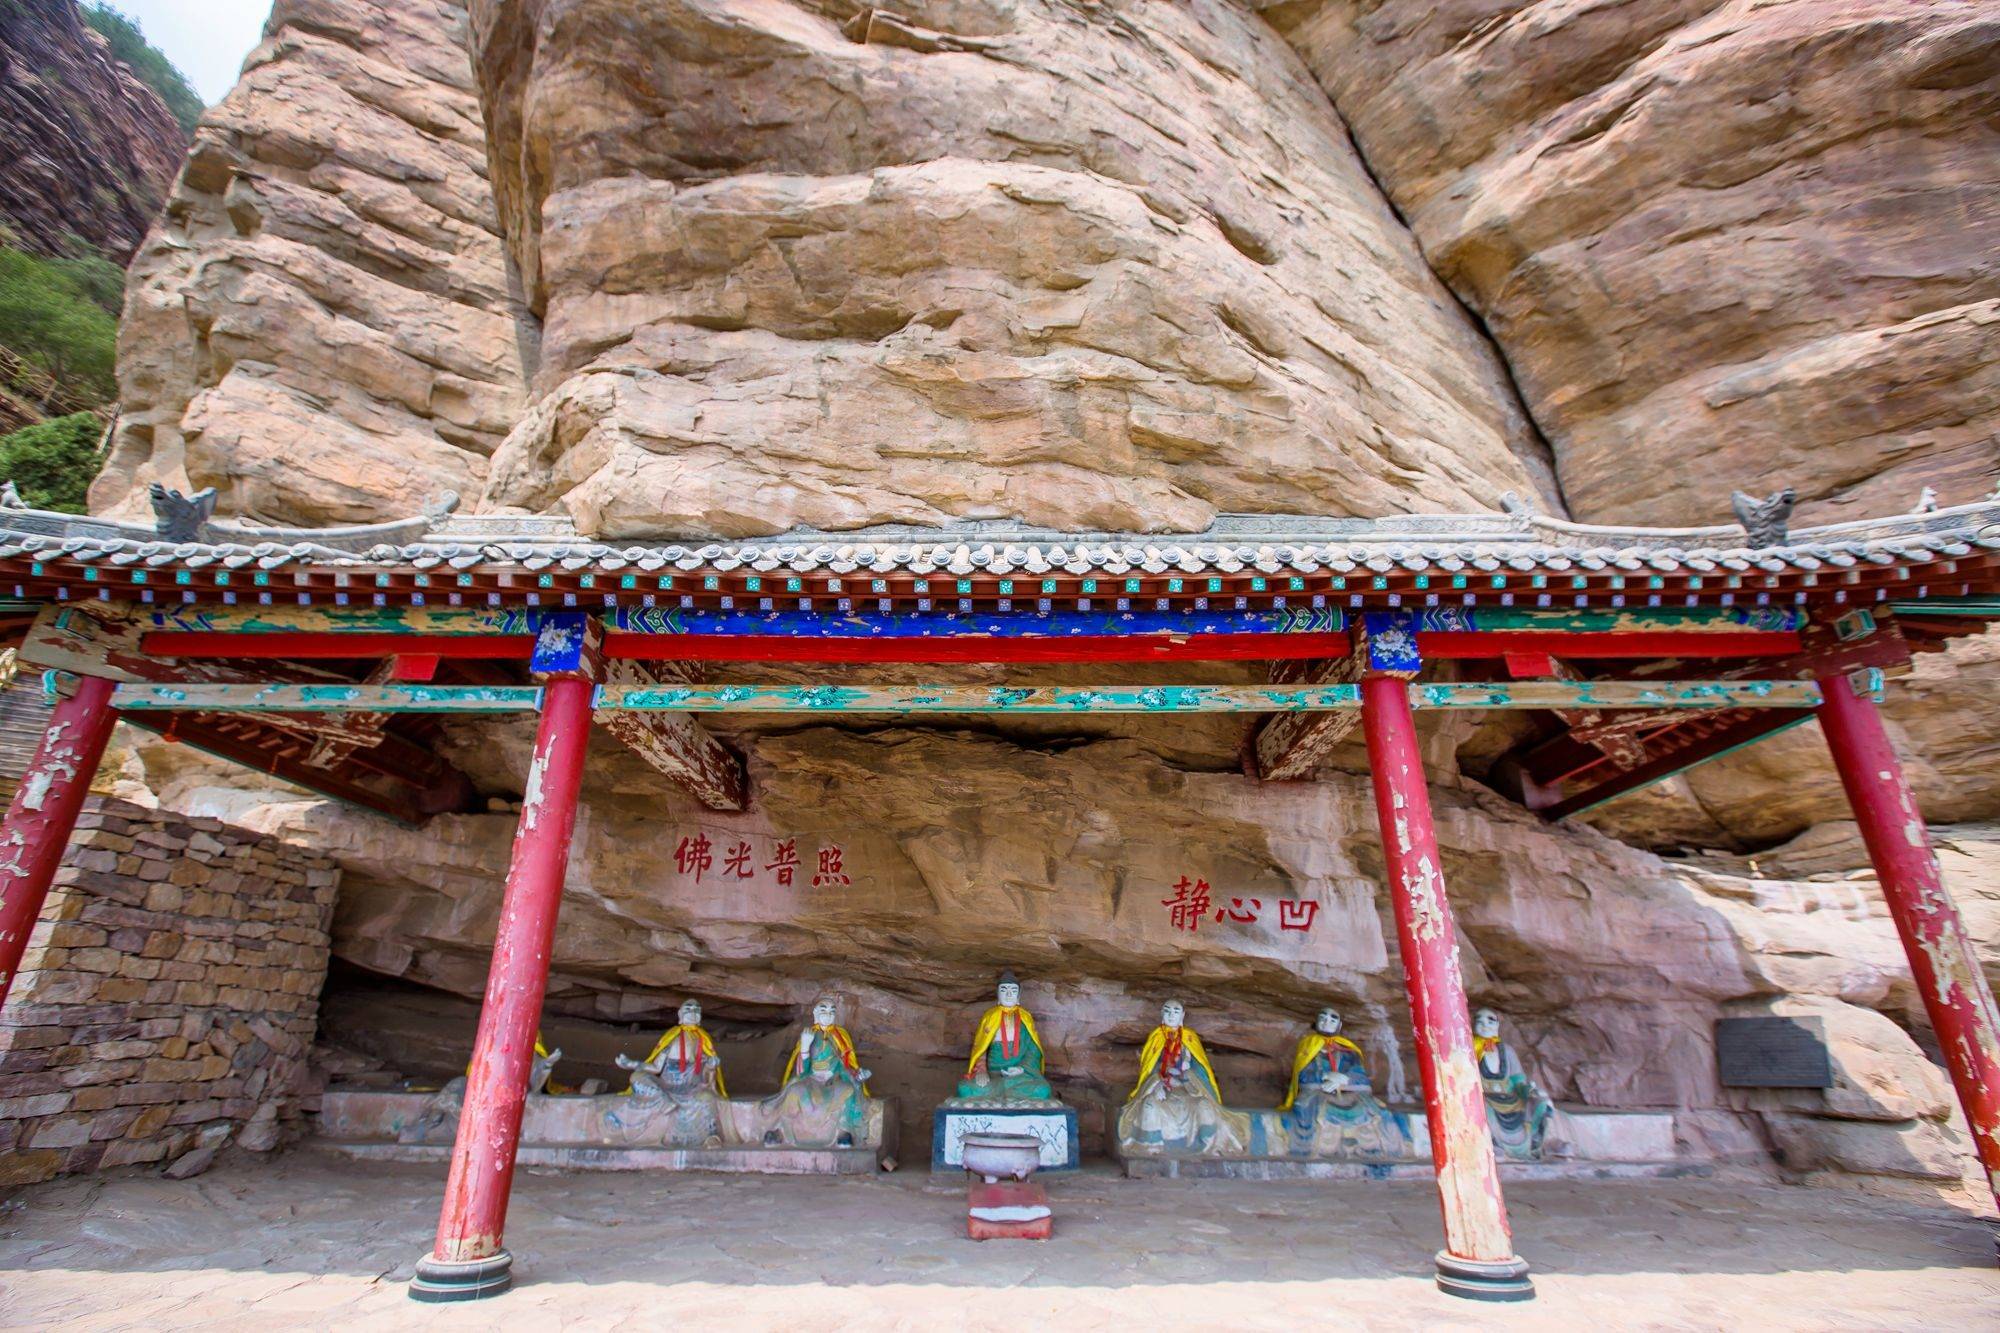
(1107, 266)
(961, 853)
(89, 149)
(324, 326)
(1720, 242)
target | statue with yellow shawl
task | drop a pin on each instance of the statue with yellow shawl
(824, 1100)
(1005, 1090)
(682, 1076)
(1517, 1111)
(1330, 1109)
(439, 1118)
(1176, 1106)
(1006, 1061)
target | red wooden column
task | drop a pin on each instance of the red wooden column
(469, 1261)
(1947, 972)
(1478, 1258)
(44, 811)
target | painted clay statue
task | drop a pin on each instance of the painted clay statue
(543, 1065)
(445, 1104)
(684, 1075)
(1516, 1109)
(1176, 1106)
(824, 1100)
(1331, 1109)
(1006, 1062)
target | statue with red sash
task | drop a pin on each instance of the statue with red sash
(1331, 1109)
(824, 1100)
(1176, 1106)
(683, 1075)
(1006, 1063)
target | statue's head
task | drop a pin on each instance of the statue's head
(1009, 990)
(1485, 1023)
(1172, 1013)
(825, 1013)
(1328, 1022)
(690, 1013)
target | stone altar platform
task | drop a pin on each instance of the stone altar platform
(1604, 1145)
(608, 1132)
(1051, 1122)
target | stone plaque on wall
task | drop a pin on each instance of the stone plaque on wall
(1772, 1053)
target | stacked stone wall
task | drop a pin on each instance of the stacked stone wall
(168, 998)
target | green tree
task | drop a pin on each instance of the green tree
(52, 463)
(129, 44)
(60, 317)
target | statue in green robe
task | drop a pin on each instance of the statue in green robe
(1006, 1061)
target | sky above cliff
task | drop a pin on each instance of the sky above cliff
(207, 39)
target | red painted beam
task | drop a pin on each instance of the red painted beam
(419, 786)
(1758, 724)
(1649, 643)
(304, 644)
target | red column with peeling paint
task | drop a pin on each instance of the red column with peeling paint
(469, 1260)
(1478, 1258)
(1947, 973)
(43, 814)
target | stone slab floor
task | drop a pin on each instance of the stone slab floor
(309, 1240)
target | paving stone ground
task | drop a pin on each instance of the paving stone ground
(309, 1241)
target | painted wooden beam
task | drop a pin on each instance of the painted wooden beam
(420, 621)
(1183, 634)
(1606, 620)
(902, 699)
(1582, 644)
(1147, 647)
(675, 744)
(307, 645)
(421, 785)
(395, 697)
(1753, 728)
(1290, 746)
(1026, 623)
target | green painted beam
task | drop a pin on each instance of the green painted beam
(206, 698)
(906, 699)
(1969, 607)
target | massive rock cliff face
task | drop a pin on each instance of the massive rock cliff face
(323, 325)
(1726, 242)
(1108, 265)
(89, 149)
(828, 265)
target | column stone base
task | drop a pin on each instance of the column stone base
(1480, 1280)
(470, 1280)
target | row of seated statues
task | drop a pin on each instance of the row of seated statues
(1176, 1107)
(677, 1095)
(1330, 1110)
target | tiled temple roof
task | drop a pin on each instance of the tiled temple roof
(1959, 545)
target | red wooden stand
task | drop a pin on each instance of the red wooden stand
(43, 814)
(1478, 1258)
(1954, 990)
(1007, 1194)
(469, 1261)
